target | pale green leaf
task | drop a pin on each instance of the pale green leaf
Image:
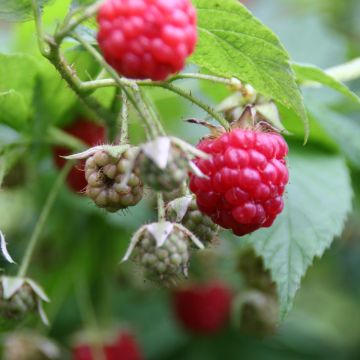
(18, 72)
(309, 73)
(17, 10)
(13, 109)
(344, 131)
(317, 203)
(233, 43)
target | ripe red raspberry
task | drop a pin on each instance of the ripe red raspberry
(203, 308)
(90, 133)
(125, 348)
(247, 175)
(147, 38)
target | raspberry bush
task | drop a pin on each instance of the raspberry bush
(217, 224)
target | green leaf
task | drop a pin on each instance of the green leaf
(18, 72)
(344, 131)
(17, 10)
(13, 109)
(233, 43)
(306, 73)
(318, 201)
(8, 159)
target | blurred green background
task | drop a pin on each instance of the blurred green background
(82, 245)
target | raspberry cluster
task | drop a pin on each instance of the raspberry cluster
(199, 224)
(91, 134)
(168, 179)
(166, 262)
(147, 38)
(105, 176)
(18, 306)
(246, 178)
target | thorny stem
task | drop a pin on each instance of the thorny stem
(160, 207)
(137, 102)
(187, 95)
(154, 114)
(42, 219)
(71, 24)
(69, 75)
(92, 85)
(124, 117)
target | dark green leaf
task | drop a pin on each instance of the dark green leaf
(233, 43)
(317, 204)
(14, 111)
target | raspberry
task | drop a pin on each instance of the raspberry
(144, 39)
(106, 175)
(257, 313)
(125, 348)
(203, 308)
(166, 262)
(90, 133)
(247, 175)
(199, 224)
(16, 308)
(255, 274)
(29, 346)
(168, 179)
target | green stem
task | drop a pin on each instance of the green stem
(154, 114)
(217, 79)
(42, 219)
(96, 84)
(124, 116)
(137, 102)
(39, 28)
(187, 95)
(71, 23)
(75, 84)
(161, 207)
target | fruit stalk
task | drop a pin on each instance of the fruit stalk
(42, 219)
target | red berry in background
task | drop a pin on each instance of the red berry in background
(124, 348)
(247, 174)
(91, 134)
(144, 39)
(203, 308)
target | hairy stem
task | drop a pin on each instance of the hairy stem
(42, 219)
(161, 207)
(124, 116)
(187, 95)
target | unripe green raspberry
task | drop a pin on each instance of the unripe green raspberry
(168, 179)
(29, 346)
(257, 313)
(112, 184)
(199, 224)
(166, 262)
(14, 309)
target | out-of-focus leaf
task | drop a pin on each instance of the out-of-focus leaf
(232, 42)
(344, 131)
(14, 111)
(317, 204)
(306, 73)
(18, 72)
(18, 10)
